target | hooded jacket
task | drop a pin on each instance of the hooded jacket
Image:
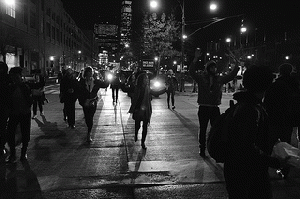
(210, 87)
(248, 152)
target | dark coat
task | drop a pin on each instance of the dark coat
(69, 89)
(210, 87)
(85, 94)
(5, 96)
(171, 83)
(141, 103)
(277, 100)
(116, 83)
(248, 155)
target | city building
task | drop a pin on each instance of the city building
(40, 34)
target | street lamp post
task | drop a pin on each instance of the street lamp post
(182, 37)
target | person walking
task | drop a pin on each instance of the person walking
(5, 101)
(277, 103)
(210, 85)
(69, 92)
(171, 87)
(88, 97)
(182, 81)
(248, 155)
(141, 108)
(38, 94)
(115, 86)
(20, 114)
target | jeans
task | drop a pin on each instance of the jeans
(89, 113)
(25, 123)
(37, 101)
(206, 114)
(137, 127)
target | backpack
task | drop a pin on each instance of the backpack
(217, 136)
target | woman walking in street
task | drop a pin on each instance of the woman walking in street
(88, 98)
(141, 106)
(69, 92)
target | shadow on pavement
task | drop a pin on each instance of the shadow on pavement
(187, 123)
(50, 131)
(18, 183)
(139, 159)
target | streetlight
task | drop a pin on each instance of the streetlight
(213, 7)
(10, 2)
(153, 4)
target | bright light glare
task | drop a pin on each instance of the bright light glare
(109, 76)
(156, 84)
(213, 6)
(10, 2)
(243, 29)
(184, 36)
(228, 40)
(153, 4)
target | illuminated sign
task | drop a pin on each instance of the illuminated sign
(106, 29)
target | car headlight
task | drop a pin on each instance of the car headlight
(156, 84)
(109, 77)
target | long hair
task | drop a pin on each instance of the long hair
(142, 80)
(88, 69)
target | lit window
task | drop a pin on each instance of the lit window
(10, 9)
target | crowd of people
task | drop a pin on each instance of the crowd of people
(261, 119)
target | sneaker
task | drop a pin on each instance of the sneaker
(89, 139)
(72, 126)
(143, 146)
(11, 159)
(42, 113)
(202, 154)
(173, 107)
(34, 116)
(23, 158)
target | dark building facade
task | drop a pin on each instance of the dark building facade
(40, 34)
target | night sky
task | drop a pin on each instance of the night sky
(263, 15)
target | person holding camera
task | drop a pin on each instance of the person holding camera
(88, 98)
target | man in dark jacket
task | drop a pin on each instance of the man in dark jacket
(5, 99)
(210, 85)
(20, 114)
(278, 103)
(115, 86)
(69, 91)
(248, 154)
